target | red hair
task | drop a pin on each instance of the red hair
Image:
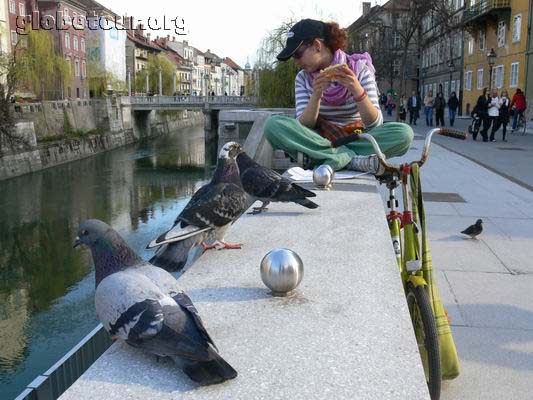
(336, 38)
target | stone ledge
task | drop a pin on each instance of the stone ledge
(344, 334)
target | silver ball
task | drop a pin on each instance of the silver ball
(281, 271)
(322, 176)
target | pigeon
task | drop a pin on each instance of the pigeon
(474, 230)
(203, 222)
(263, 184)
(143, 305)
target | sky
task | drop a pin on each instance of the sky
(233, 28)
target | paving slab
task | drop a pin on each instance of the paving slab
(344, 334)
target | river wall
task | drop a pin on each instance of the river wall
(54, 132)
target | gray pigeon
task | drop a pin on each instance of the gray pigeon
(143, 305)
(474, 230)
(205, 219)
(266, 185)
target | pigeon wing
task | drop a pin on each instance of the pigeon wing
(186, 304)
(220, 205)
(470, 230)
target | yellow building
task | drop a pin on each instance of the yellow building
(500, 25)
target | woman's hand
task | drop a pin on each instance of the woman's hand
(320, 84)
(346, 77)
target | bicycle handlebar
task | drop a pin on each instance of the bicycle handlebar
(392, 167)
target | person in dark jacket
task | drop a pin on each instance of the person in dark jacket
(453, 105)
(414, 104)
(504, 112)
(482, 108)
(440, 104)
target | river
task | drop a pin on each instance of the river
(46, 286)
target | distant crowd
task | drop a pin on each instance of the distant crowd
(491, 112)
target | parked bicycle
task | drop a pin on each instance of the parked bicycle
(405, 228)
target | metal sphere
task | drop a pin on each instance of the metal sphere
(282, 270)
(322, 176)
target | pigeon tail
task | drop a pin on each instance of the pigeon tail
(211, 372)
(306, 203)
(178, 255)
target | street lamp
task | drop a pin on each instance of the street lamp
(451, 68)
(491, 58)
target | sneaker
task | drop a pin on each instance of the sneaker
(366, 164)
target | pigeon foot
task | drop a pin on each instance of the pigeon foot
(218, 245)
(258, 210)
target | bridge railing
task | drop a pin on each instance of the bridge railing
(187, 100)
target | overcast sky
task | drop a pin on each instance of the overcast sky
(234, 28)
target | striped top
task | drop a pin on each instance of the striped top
(342, 114)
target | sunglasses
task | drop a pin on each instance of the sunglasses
(301, 50)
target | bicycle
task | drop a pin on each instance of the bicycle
(521, 124)
(408, 253)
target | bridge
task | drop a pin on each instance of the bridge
(147, 103)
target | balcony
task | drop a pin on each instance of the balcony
(486, 9)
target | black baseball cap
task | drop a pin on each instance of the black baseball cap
(303, 30)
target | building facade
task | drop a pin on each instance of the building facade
(503, 27)
(442, 53)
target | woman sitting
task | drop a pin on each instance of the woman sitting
(330, 103)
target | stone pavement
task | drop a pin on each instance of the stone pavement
(486, 284)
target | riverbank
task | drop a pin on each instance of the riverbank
(106, 126)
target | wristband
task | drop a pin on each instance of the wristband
(361, 97)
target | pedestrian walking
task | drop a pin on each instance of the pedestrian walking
(482, 109)
(414, 104)
(518, 105)
(439, 105)
(493, 115)
(505, 102)
(402, 112)
(390, 104)
(429, 101)
(453, 105)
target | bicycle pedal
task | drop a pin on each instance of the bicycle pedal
(413, 265)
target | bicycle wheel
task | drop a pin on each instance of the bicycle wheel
(523, 127)
(426, 336)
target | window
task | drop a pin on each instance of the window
(446, 88)
(396, 67)
(470, 45)
(468, 80)
(435, 89)
(67, 40)
(77, 67)
(83, 69)
(480, 78)
(396, 39)
(513, 81)
(481, 40)
(67, 59)
(75, 42)
(66, 16)
(22, 9)
(452, 87)
(82, 44)
(458, 86)
(14, 38)
(517, 24)
(497, 76)
(12, 7)
(501, 33)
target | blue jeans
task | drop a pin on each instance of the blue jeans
(429, 115)
(452, 116)
(515, 117)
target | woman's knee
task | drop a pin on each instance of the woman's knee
(403, 133)
(274, 126)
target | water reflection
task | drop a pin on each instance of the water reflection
(46, 286)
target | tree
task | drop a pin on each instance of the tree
(9, 76)
(168, 69)
(101, 80)
(276, 79)
(42, 71)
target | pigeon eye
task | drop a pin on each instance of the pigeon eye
(84, 233)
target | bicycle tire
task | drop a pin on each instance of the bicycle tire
(524, 123)
(423, 322)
